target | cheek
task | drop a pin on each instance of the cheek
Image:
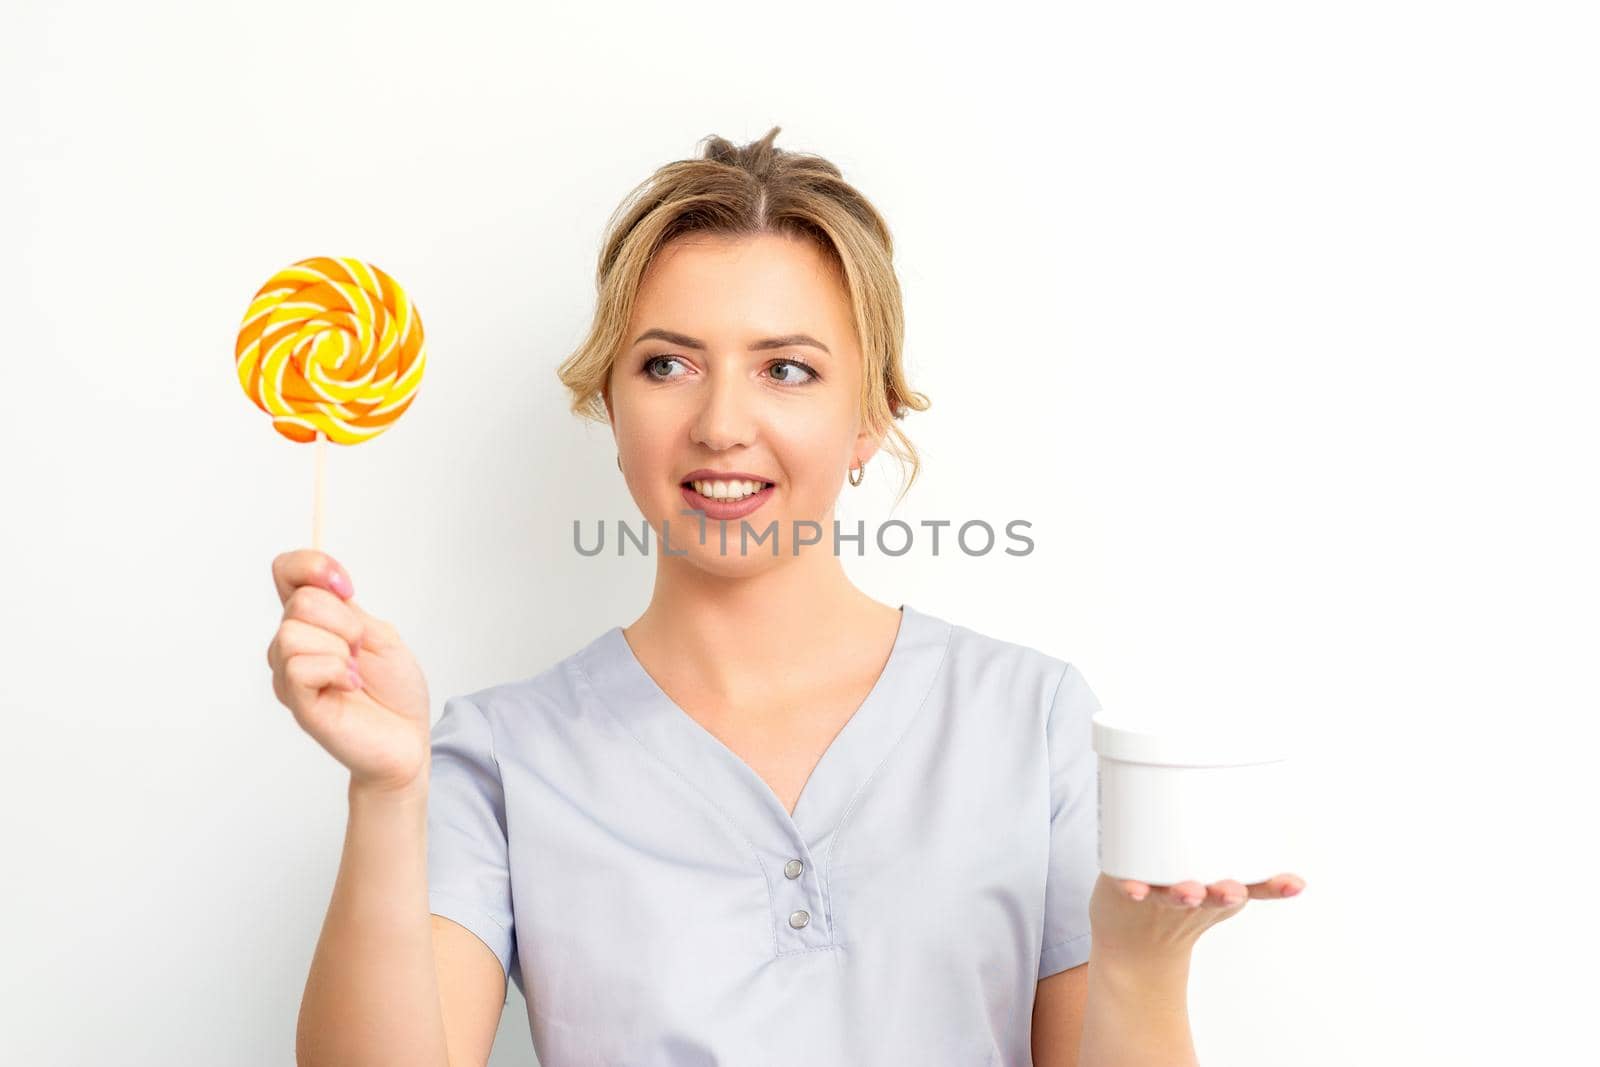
(812, 448)
(642, 431)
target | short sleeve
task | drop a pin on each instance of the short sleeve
(1074, 824)
(469, 879)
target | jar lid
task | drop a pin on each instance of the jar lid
(1181, 745)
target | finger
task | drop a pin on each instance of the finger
(377, 634)
(306, 675)
(288, 695)
(1277, 887)
(1227, 893)
(307, 566)
(296, 638)
(1132, 889)
(318, 607)
(1184, 894)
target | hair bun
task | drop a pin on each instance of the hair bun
(756, 157)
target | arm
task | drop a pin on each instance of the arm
(1102, 1014)
(1138, 1016)
(1058, 1009)
(1130, 1005)
(372, 996)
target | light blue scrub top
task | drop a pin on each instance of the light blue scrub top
(655, 903)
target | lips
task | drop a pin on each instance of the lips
(706, 474)
(727, 509)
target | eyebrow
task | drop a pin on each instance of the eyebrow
(786, 341)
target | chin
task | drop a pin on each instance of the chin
(686, 543)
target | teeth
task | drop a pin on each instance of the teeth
(728, 490)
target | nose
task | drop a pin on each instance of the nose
(726, 416)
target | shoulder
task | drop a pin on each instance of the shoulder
(1060, 706)
(553, 693)
(985, 661)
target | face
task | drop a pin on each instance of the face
(740, 360)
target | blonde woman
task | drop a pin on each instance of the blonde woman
(771, 820)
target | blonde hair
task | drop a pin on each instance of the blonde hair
(738, 191)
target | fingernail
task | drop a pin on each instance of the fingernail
(341, 583)
(355, 675)
(1290, 889)
(1138, 894)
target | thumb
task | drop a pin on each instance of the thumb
(376, 634)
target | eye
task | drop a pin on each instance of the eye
(662, 360)
(811, 374)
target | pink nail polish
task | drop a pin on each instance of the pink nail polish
(1290, 890)
(355, 675)
(340, 583)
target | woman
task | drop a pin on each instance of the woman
(772, 820)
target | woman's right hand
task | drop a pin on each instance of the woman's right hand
(373, 719)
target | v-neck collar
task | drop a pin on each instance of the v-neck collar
(708, 765)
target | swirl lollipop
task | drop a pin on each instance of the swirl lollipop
(330, 347)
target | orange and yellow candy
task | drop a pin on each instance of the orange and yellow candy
(331, 345)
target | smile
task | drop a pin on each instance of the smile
(725, 499)
(728, 490)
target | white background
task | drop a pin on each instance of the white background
(1278, 321)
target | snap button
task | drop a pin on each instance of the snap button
(797, 919)
(793, 868)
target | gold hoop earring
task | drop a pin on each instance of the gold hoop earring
(856, 474)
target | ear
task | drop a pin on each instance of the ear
(867, 445)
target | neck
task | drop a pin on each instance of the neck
(741, 634)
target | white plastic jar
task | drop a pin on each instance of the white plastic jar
(1179, 805)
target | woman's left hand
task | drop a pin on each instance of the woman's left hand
(1132, 919)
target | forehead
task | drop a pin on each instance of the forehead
(703, 284)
